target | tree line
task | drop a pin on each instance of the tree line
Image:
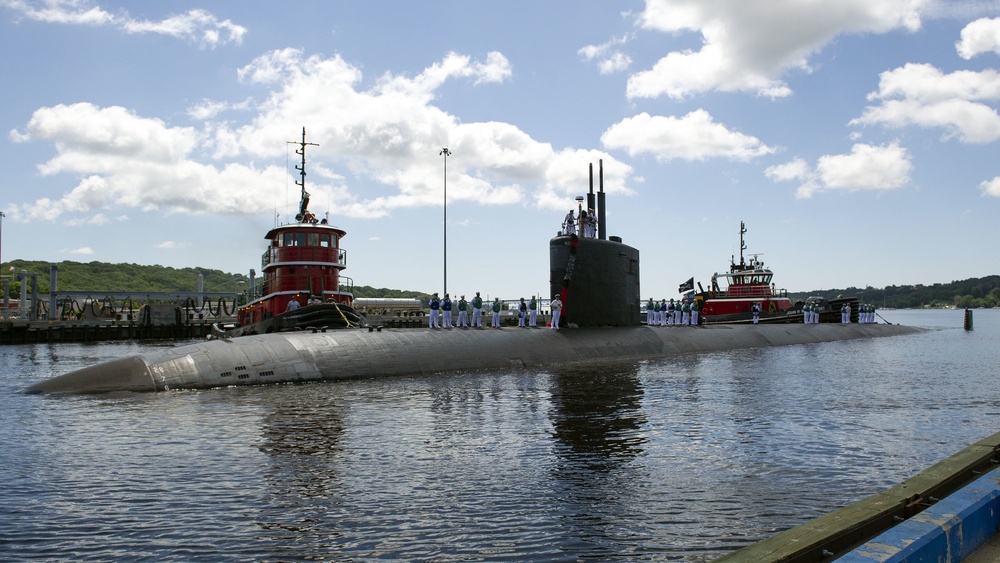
(94, 276)
(971, 293)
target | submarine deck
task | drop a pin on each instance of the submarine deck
(349, 354)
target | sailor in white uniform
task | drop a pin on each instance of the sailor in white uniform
(569, 223)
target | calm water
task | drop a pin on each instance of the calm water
(683, 459)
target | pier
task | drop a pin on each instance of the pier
(101, 315)
(41, 332)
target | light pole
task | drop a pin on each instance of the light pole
(446, 153)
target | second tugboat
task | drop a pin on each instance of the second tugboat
(746, 284)
(302, 286)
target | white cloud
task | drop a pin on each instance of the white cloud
(378, 148)
(696, 136)
(609, 58)
(172, 245)
(83, 251)
(922, 95)
(866, 167)
(133, 162)
(978, 37)
(747, 46)
(195, 25)
(991, 187)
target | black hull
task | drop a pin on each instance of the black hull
(319, 316)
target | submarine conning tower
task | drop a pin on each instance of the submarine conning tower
(597, 279)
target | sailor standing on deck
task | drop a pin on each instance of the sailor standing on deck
(686, 313)
(845, 314)
(463, 305)
(496, 312)
(522, 313)
(477, 311)
(669, 313)
(533, 312)
(435, 311)
(695, 309)
(678, 308)
(446, 311)
(556, 306)
(661, 315)
(755, 310)
(651, 318)
(569, 223)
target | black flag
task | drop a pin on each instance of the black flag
(686, 286)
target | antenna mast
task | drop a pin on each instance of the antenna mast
(743, 245)
(303, 215)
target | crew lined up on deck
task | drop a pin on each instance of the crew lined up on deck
(683, 312)
(440, 312)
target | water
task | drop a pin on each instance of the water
(674, 460)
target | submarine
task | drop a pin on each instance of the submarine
(595, 275)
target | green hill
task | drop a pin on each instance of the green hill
(101, 276)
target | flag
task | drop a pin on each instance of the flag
(686, 286)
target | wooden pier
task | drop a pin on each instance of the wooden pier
(41, 332)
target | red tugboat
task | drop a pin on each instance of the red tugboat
(301, 288)
(732, 300)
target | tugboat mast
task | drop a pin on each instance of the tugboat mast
(743, 246)
(303, 215)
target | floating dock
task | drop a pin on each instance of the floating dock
(944, 513)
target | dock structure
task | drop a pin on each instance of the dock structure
(98, 315)
(944, 513)
(47, 332)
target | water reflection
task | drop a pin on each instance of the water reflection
(597, 415)
(302, 433)
(598, 424)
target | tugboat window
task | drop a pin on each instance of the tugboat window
(313, 239)
(324, 240)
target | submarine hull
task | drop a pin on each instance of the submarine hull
(352, 354)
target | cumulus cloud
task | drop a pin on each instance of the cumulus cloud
(866, 167)
(197, 26)
(696, 136)
(129, 161)
(922, 95)
(991, 187)
(978, 37)
(609, 57)
(385, 139)
(747, 46)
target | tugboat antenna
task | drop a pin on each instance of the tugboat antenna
(303, 216)
(743, 230)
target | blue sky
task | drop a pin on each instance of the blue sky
(857, 139)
